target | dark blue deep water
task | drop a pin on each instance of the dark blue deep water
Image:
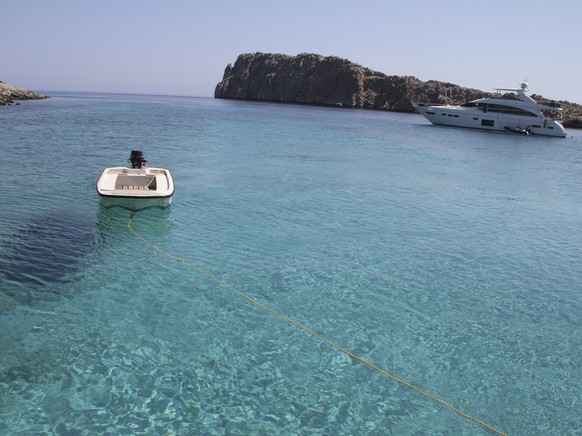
(452, 259)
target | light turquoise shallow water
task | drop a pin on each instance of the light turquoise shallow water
(450, 258)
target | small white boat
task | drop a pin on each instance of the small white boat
(522, 115)
(137, 187)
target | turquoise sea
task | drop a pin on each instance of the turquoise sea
(449, 258)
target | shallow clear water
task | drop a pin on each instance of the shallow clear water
(449, 258)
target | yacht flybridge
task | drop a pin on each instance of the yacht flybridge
(137, 187)
(523, 115)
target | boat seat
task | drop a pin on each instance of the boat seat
(136, 187)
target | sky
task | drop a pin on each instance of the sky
(181, 47)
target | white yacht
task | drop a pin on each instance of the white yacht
(523, 115)
(137, 187)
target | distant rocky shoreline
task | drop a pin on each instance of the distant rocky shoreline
(10, 94)
(332, 81)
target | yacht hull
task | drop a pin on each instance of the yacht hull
(458, 116)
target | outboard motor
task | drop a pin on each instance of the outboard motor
(136, 159)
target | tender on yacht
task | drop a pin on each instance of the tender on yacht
(137, 187)
(523, 115)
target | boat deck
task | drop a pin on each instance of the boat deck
(137, 182)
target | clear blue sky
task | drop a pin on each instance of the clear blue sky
(181, 47)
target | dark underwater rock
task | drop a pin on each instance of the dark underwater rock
(47, 250)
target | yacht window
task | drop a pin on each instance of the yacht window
(488, 123)
(430, 113)
(502, 109)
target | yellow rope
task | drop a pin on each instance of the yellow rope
(311, 332)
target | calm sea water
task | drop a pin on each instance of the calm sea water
(449, 258)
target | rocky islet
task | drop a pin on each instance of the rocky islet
(333, 81)
(10, 94)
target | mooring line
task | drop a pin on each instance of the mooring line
(312, 333)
